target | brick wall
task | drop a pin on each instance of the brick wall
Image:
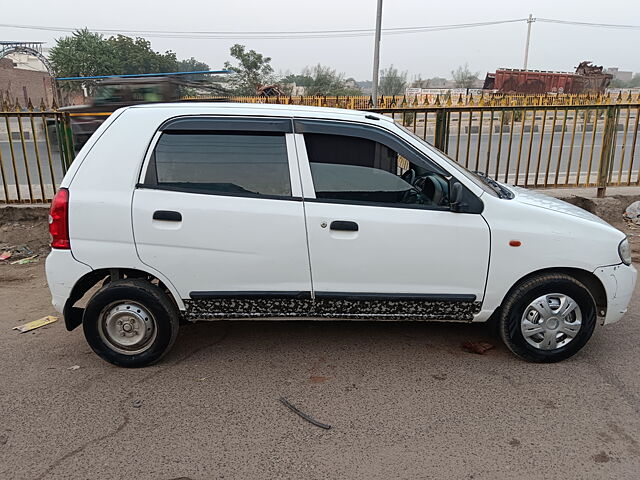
(16, 82)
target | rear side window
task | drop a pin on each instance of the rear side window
(222, 163)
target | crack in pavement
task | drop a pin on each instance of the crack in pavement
(612, 379)
(123, 424)
(125, 401)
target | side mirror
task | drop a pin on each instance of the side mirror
(456, 197)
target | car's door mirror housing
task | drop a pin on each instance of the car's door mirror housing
(456, 196)
(462, 200)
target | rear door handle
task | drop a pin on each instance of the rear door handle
(344, 226)
(167, 215)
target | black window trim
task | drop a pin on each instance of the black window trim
(261, 196)
(232, 124)
(364, 203)
(229, 123)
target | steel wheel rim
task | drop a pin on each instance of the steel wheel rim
(127, 327)
(551, 321)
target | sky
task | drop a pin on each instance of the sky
(428, 54)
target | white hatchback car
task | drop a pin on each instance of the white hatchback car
(232, 211)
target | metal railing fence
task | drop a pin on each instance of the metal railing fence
(540, 141)
(36, 148)
(430, 100)
(537, 146)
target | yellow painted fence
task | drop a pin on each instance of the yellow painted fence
(540, 141)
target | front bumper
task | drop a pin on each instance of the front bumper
(619, 282)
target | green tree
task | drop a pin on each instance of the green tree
(635, 81)
(83, 54)
(251, 71)
(392, 82)
(324, 80)
(299, 80)
(192, 65)
(464, 78)
(617, 83)
(136, 56)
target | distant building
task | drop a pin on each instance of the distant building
(28, 82)
(25, 61)
(620, 75)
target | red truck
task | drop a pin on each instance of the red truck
(586, 79)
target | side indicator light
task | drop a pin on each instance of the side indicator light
(515, 243)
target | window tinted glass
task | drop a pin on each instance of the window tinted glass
(223, 162)
(361, 170)
(474, 177)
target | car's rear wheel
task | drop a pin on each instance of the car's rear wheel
(548, 318)
(130, 323)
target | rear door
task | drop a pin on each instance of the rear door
(381, 231)
(219, 211)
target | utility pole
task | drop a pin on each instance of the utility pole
(530, 20)
(376, 55)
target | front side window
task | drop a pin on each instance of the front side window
(479, 180)
(223, 163)
(360, 170)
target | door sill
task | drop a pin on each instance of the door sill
(331, 308)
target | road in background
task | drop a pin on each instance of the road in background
(31, 163)
(476, 160)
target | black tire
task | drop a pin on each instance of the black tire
(513, 308)
(164, 316)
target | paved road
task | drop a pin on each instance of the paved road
(19, 158)
(567, 156)
(404, 401)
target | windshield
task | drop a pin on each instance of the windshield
(483, 181)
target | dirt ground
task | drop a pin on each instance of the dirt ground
(405, 400)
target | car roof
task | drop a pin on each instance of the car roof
(261, 109)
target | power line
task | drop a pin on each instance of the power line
(345, 33)
(272, 35)
(589, 24)
(311, 34)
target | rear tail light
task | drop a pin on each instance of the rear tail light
(59, 220)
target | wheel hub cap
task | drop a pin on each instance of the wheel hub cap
(551, 321)
(553, 324)
(127, 327)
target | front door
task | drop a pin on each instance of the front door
(220, 214)
(383, 241)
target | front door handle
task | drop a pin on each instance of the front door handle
(344, 226)
(167, 215)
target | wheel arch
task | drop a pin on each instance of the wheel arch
(588, 279)
(73, 315)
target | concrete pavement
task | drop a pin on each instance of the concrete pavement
(404, 401)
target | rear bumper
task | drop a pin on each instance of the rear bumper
(619, 282)
(63, 271)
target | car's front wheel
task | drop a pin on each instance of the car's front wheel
(130, 323)
(548, 318)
